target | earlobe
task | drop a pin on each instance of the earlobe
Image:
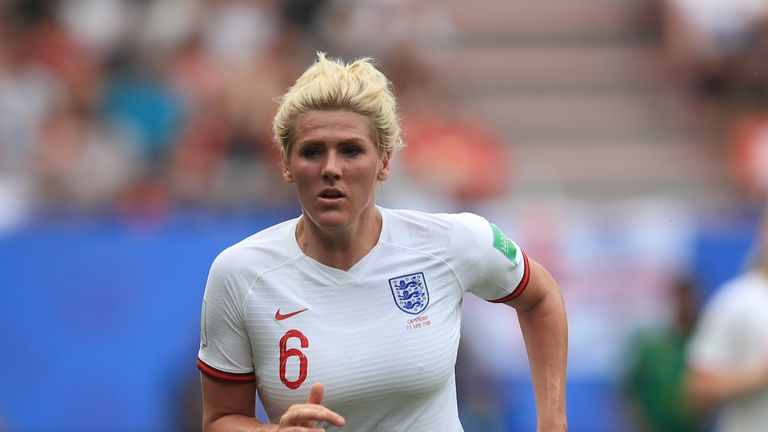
(384, 170)
(287, 176)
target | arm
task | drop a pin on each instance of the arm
(230, 407)
(710, 387)
(543, 322)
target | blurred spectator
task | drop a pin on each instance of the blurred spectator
(353, 27)
(20, 80)
(716, 44)
(473, 163)
(303, 16)
(728, 354)
(235, 31)
(139, 100)
(131, 104)
(655, 378)
(82, 162)
(749, 152)
(99, 26)
(166, 25)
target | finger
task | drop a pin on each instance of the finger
(316, 394)
(304, 415)
(315, 398)
(299, 429)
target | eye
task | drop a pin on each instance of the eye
(309, 152)
(351, 151)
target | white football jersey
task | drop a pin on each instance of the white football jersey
(733, 334)
(382, 337)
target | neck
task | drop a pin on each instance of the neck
(340, 247)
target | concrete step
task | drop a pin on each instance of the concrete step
(546, 17)
(577, 89)
(563, 115)
(612, 170)
(492, 68)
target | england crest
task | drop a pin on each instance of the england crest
(410, 292)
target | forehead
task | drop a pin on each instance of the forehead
(332, 125)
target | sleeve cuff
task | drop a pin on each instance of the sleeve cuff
(214, 373)
(520, 286)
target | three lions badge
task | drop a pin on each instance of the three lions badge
(410, 292)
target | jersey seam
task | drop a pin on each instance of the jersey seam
(455, 273)
(488, 230)
(242, 311)
(259, 275)
(248, 293)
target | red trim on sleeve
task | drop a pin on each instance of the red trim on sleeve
(521, 286)
(226, 376)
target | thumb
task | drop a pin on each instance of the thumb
(316, 394)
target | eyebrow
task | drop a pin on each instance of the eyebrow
(354, 140)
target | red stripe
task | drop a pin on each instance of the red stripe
(521, 286)
(226, 376)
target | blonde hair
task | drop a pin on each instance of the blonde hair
(330, 84)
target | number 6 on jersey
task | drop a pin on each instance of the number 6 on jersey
(286, 353)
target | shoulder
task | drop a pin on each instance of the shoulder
(739, 287)
(725, 318)
(263, 250)
(735, 295)
(435, 222)
(422, 230)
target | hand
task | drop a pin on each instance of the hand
(304, 417)
(762, 373)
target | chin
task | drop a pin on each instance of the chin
(329, 218)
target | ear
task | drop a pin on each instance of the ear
(287, 176)
(384, 170)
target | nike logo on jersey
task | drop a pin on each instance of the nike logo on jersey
(280, 317)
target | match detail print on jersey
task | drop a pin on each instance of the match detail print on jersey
(410, 292)
(503, 244)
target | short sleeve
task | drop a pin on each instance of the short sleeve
(225, 350)
(715, 339)
(492, 266)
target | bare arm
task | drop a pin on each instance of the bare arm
(230, 407)
(543, 322)
(709, 388)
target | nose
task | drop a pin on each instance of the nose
(332, 167)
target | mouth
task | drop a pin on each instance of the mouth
(331, 194)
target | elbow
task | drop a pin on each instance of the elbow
(542, 292)
(698, 392)
(212, 421)
(209, 424)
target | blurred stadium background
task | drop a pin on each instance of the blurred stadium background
(623, 143)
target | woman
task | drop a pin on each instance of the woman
(348, 316)
(728, 353)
